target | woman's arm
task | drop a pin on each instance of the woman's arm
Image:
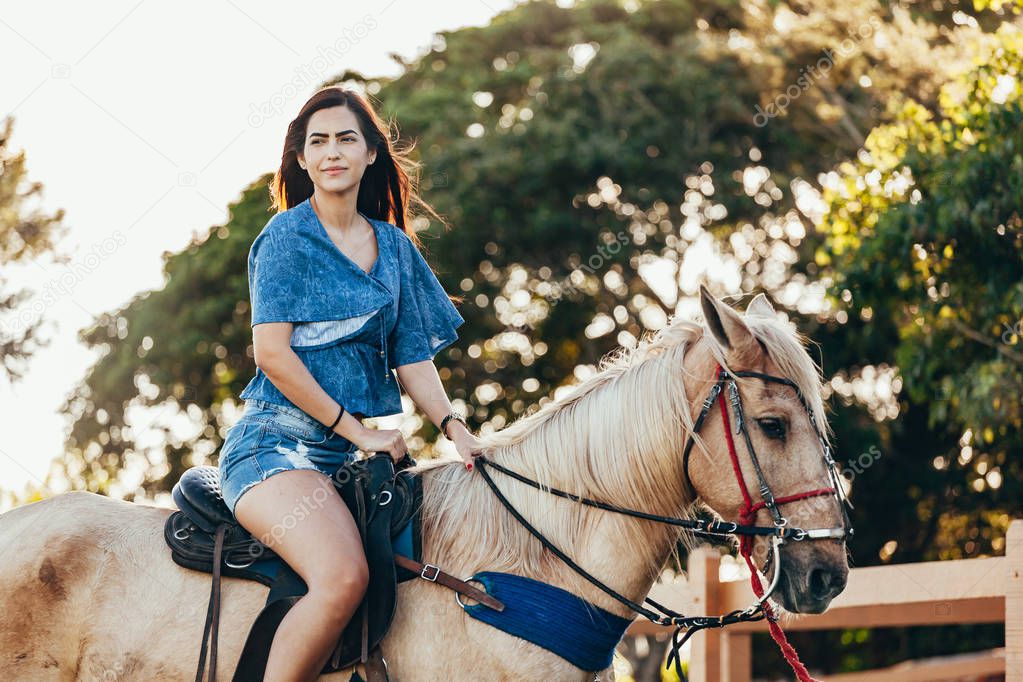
(423, 385)
(271, 342)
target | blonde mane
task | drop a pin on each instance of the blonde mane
(618, 437)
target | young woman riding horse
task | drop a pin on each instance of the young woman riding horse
(89, 589)
(340, 296)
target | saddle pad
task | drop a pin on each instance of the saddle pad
(582, 633)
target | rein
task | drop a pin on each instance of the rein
(687, 626)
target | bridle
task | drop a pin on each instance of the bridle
(768, 500)
(778, 534)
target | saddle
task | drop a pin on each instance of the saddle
(385, 502)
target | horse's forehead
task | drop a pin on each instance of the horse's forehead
(770, 391)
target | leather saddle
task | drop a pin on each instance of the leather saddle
(385, 502)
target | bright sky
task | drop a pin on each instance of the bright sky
(143, 121)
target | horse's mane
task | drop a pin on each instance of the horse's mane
(618, 437)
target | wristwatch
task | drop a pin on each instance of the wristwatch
(445, 420)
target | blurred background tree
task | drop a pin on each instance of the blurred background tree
(27, 236)
(595, 163)
(923, 258)
(924, 249)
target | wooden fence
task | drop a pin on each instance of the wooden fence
(931, 593)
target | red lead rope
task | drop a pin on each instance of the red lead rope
(746, 515)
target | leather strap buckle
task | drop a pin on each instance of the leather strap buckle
(433, 577)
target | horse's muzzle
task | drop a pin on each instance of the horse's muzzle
(809, 586)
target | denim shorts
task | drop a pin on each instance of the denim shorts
(271, 438)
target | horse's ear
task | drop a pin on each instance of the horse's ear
(761, 306)
(725, 324)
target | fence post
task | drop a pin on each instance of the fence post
(737, 657)
(1014, 603)
(702, 574)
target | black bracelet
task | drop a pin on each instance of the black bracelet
(339, 414)
(445, 420)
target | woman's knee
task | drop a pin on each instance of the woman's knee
(344, 586)
(349, 570)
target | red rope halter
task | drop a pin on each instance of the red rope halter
(746, 514)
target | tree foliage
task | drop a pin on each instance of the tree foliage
(925, 248)
(27, 235)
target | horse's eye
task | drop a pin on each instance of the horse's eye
(772, 427)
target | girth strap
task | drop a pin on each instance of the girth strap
(436, 575)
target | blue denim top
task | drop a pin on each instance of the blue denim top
(351, 328)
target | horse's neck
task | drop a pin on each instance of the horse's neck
(619, 443)
(466, 527)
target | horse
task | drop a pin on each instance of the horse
(89, 590)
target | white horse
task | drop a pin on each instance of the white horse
(89, 592)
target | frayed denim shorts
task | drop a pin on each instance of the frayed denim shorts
(271, 438)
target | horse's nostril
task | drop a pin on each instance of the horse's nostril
(825, 583)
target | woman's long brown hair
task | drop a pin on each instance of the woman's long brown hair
(389, 186)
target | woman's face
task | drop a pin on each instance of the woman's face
(335, 153)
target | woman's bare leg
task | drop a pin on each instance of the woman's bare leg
(300, 516)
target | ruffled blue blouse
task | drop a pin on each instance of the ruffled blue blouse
(351, 327)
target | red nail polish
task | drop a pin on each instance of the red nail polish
(468, 466)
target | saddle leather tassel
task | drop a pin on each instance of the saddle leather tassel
(363, 514)
(212, 625)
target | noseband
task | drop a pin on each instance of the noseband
(686, 626)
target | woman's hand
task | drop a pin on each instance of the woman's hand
(467, 445)
(382, 440)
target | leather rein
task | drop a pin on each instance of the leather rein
(778, 533)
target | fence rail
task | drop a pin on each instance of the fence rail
(930, 593)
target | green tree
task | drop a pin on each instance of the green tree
(924, 261)
(925, 250)
(187, 346)
(26, 234)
